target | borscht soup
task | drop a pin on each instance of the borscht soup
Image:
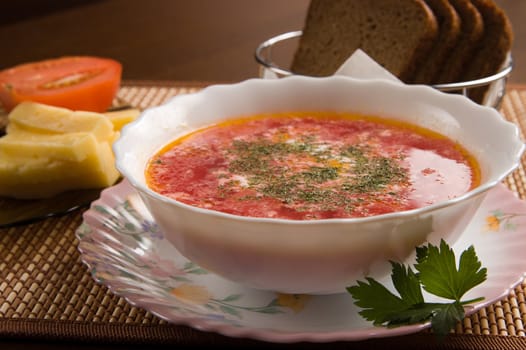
(311, 166)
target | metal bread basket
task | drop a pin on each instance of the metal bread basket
(275, 53)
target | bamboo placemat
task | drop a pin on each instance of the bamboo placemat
(46, 293)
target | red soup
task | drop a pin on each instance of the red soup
(306, 166)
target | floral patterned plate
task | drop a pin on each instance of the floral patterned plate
(125, 250)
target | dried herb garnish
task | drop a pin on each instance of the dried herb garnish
(268, 167)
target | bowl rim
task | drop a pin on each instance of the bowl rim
(462, 85)
(120, 151)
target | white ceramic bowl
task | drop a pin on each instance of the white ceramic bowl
(318, 256)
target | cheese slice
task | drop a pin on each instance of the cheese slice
(44, 119)
(70, 147)
(121, 118)
(49, 150)
(25, 175)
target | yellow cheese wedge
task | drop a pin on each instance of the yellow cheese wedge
(71, 147)
(39, 118)
(49, 150)
(47, 175)
(121, 118)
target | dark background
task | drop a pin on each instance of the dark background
(184, 40)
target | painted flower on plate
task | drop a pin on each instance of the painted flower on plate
(498, 221)
(296, 302)
(159, 267)
(191, 294)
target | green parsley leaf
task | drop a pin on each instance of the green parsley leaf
(446, 317)
(407, 284)
(378, 302)
(414, 314)
(437, 274)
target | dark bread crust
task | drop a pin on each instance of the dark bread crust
(397, 34)
(492, 50)
(472, 31)
(449, 25)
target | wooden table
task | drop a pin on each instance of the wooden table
(48, 298)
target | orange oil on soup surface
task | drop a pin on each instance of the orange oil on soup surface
(306, 166)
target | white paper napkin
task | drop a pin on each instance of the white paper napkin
(359, 65)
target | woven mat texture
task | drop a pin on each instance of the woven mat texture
(47, 293)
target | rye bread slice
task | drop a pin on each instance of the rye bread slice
(472, 30)
(493, 48)
(395, 33)
(449, 24)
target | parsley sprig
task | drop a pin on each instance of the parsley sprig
(437, 273)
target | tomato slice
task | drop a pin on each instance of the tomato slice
(75, 82)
